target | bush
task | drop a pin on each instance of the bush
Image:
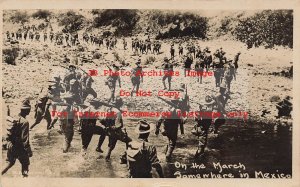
(267, 28)
(41, 14)
(19, 17)
(71, 21)
(123, 20)
(10, 55)
(180, 24)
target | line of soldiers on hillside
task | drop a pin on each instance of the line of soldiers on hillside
(140, 46)
(75, 93)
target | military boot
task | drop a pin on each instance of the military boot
(169, 153)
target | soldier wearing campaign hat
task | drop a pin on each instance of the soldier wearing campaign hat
(17, 138)
(168, 70)
(203, 123)
(88, 125)
(114, 127)
(220, 103)
(67, 121)
(170, 126)
(141, 156)
(136, 77)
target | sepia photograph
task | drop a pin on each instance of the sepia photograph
(148, 93)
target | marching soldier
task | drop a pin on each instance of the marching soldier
(114, 127)
(203, 123)
(18, 140)
(235, 62)
(207, 58)
(199, 68)
(69, 76)
(136, 77)
(112, 80)
(187, 63)
(170, 127)
(141, 156)
(172, 51)
(220, 102)
(168, 71)
(180, 49)
(42, 109)
(67, 121)
(87, 86)
(89, 127)
(229, 73)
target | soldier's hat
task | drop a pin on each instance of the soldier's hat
(25, 105)
(166, 59)
(209, 100)
(239, 52)
(287, 98)
(72, 66)
(144, 127)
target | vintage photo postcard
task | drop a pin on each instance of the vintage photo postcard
(150, 93)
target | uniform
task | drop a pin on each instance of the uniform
(42, 111)
(168, 70)
(187, 64)
(89, 128)
(87, 87)
(17, 138)
(136, 77)
(170, 129)
(111, 83)
(140, 159)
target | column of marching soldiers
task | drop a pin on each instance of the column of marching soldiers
(74, 92)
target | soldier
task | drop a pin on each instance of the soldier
(89, 127)
(18, 140)
(7, 35)
(168, 71)
(218, 71)
(112, 80)
(75, 90)
(207, 58)
(229, 73)
(69, 76)
(51, 36)
(67, 121)
(141, 156)
(37, 36)
(187, 63)
(180, 49)
(87, 86)
(42, 109)
(136, 76)
(45, 36)
(54, 97)
(235, 62)
(114, 127)
(203, 123)
(220, 102)
(199, 68)
(170, 126)
(172, 51)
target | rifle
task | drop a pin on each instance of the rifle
(168, 102)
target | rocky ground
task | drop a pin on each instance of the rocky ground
(251, 92)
